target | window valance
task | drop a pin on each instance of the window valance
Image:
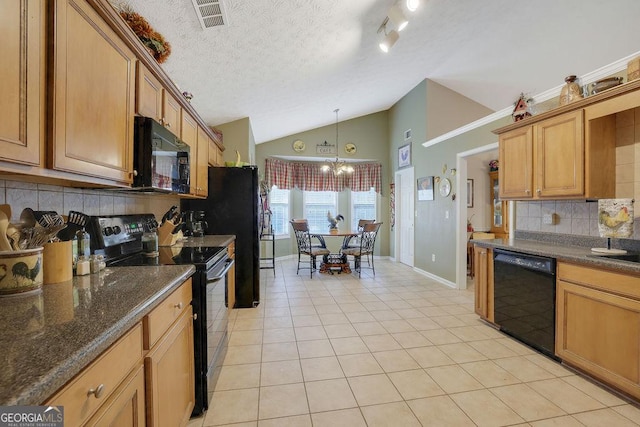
(308, 176)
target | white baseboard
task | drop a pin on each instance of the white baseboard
(436, 278)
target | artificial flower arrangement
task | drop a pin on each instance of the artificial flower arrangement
(155, 43)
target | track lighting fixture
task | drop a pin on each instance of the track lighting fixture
(389, 40)
(412, 5)
(397, 18)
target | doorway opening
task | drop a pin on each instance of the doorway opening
(470, 166)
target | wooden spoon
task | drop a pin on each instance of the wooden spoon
(4, 223)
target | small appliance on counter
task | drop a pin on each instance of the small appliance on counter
(196, 223)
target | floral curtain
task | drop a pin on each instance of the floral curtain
(308, 176)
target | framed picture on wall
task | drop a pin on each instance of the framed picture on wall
(425, 188)
(404, 156)
(469, 193)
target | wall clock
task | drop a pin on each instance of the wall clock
(445, 187)
(350, 148)
(298, 145)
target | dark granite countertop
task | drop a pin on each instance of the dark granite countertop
(560, 251)
(47, 338)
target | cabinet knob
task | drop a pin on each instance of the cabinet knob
(162, 121)
(97, 392)
(527, 191)
(135, 172)
(538, 191)
(168, 125)
(195, 316)
(178, 306)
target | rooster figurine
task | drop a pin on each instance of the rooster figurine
(333, 222)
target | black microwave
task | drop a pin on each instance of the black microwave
(160, 159)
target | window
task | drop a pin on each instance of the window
(279, 205)
(316, 206)
(363, 206)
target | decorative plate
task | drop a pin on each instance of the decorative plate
(298, 145)
(350, 148)
(445, 187)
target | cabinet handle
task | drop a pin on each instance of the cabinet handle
(178, 306)
(97, 392)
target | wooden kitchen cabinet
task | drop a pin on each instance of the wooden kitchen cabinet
(126, 406)
(598, 324)
(93, 95)
(169, 364)
(171, 113)
(553, 159)
(101, 387)
(483, 282)
(22, 81)
(149, 94)
(215, 155)
(202, 164)
(189, 135)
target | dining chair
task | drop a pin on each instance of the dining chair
(354, 241)
(321, 242)
(367, 243)
(303, 239)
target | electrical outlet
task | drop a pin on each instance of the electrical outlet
(433, 257)
(549, 219)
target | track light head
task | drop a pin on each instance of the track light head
(389, 40)
(397, 17)
(412, 5)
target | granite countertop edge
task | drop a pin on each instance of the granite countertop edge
(578, 254)
(46, 385)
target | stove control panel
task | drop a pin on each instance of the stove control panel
(113, 230)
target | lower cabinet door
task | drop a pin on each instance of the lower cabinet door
(126, 406)
(599, 332)
(170, 376)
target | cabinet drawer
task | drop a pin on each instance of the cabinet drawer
(103, 375)
(231, 249)
(620, 283)
(158, 321)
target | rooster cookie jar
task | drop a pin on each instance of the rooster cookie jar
(20, 272)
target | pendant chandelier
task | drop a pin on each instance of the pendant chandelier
(338, 167)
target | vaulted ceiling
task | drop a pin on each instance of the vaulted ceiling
(287, 64)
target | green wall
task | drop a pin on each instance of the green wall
(238, 135)
(370, 135)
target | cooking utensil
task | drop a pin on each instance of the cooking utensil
(48, 219)
(34, 237)
(169, 214)
(75, 221)
(28, 218)
(4, 223)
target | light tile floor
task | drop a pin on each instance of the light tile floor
(397, 349)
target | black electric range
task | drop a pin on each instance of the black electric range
(119, 239)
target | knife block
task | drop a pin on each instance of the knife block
(166, 236)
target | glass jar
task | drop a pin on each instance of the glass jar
(150, 244)
(571, 91)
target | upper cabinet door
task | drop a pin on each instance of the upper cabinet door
(516, 164)
(22, 79)
(93, 95)
(560, 156)
(148, 94)
(189, 135)
(171, 113)
(202, 164)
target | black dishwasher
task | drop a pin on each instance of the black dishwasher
(525, 298)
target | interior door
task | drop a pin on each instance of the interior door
(404, 216)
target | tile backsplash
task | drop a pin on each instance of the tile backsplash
(20, 195)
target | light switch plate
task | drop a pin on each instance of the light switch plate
(549, 219)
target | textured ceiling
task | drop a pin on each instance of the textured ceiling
(287, 64)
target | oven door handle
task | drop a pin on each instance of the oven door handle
(229, 263)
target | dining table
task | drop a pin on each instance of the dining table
(335, 261)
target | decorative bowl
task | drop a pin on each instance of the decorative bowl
(21, 271)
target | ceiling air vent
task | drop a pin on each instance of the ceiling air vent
(211, 13)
